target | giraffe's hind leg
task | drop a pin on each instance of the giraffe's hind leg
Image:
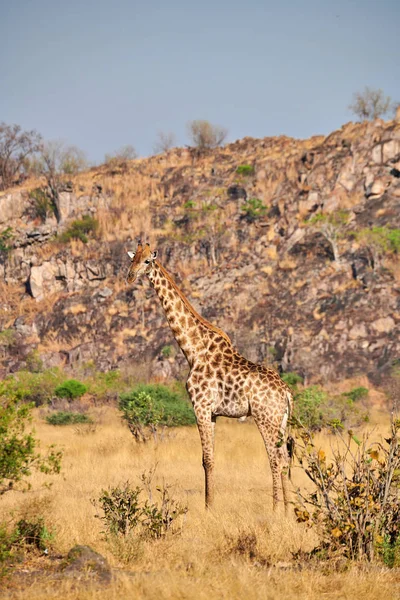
(278, 459)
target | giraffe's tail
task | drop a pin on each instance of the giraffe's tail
(290, 443)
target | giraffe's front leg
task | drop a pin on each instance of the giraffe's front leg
(206, 428)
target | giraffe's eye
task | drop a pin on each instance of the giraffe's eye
(147, 261)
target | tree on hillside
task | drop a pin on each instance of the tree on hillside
(165, 141)
(125, 153)
(56, 161)
(206, 136)
(370, 104)
(16, 146)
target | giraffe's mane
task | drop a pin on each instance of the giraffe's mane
(190, 307)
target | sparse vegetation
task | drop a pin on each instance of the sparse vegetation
(41, 205)
(253, 209)
(5, 236)
(79, 229)
(245, 170)
(165, 141)
(121, 156)
(379, 241)
(67, 418)
(370, 104)
(332, 227)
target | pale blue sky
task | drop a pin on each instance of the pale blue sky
(101, 74)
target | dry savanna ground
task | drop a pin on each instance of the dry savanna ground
(211, 555)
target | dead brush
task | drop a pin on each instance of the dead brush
(355, 504)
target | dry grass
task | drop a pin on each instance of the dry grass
(239, 549)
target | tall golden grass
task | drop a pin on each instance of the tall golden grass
(209, 558)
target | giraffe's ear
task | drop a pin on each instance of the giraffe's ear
(154, 255)
(131, 255)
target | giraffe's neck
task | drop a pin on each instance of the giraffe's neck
(192, 332)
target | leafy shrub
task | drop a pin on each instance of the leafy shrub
(379, 241)
(292, 379)
(245, 170)
(253, 209)
(355, 503)
(31, 387)
(166, 351)
(71, 389)
(18, 454)
(356, 394)
(80, 229)
(67, 418)
(147, 406)
(314, 409)
(126, 514)
(105, 386)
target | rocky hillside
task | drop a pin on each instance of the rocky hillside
(290, 246)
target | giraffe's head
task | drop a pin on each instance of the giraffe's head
(142, 261)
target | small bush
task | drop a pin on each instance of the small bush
(70, 389)
(5, 236)
(356, 394)
(245, 170)
(126, 514)
(204, 135)
(79, 230)
(292, 379)
(67, 418)
(253, 209)
(166, 351)
(33, 533)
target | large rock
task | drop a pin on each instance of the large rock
(12, 207)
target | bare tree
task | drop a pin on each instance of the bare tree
(56, 161)
(15, 147)
(165, 141)
(205, 136)
(125, 153)
(370, 104)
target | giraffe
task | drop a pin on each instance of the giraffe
(221, 382)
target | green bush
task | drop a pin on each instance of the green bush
(292, 379)
(151, 405)
(80, 229)
(67, 418)
(245, 170)
(315, 410)
(71, 389)
(166, 351)
(18, 447)
(254, 209)
(31, 387)
(356, 394)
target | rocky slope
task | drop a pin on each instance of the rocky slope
(237, 228)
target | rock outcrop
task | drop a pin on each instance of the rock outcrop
(244, 245)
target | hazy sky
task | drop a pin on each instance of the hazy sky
(101, 74)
